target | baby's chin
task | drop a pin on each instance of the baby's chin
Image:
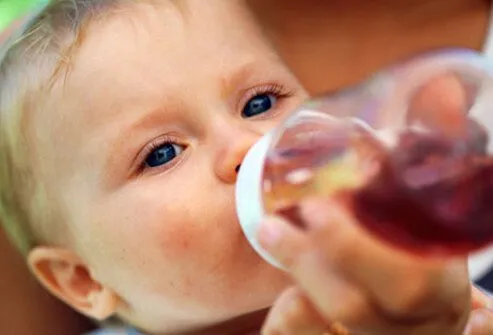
(254, 267)
(249, 283)
(255, 305)
(262, 285)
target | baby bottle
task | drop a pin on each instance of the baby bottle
(408, 152)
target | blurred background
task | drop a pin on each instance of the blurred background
(12, 13)
(10, 10)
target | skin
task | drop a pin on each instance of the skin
(70, 261)
(433, 293)
(161, 247)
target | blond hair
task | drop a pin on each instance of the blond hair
(33, 58)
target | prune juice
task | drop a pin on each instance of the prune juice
(418, 190)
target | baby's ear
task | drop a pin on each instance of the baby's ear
(67, 277)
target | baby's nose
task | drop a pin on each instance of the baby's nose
(231, 146)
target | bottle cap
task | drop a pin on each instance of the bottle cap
(249, 200)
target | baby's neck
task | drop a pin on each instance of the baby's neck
(249, 324)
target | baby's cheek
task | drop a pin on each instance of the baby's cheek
(165, 237)
(178, 241)
(194, 257)
(188, 243)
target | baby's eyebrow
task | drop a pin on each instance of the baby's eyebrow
(230, 81)
(248, 69)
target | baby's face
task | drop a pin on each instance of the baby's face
(143, 138)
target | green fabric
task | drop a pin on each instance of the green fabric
(10, 10)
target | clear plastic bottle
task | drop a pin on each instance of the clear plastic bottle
(408, 151)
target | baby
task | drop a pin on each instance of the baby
(122, 128)
(123, 125)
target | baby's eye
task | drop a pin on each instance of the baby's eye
(259, 104)
(163, 154)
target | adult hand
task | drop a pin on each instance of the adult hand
(345, 275)
(294, 314)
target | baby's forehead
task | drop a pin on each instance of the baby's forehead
(163, 49)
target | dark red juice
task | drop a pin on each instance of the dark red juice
(428, 194)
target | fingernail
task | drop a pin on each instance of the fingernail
(270, 231)
(486, 300)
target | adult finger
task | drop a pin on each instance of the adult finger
(293, 314)
(403, 282)
(334, 296)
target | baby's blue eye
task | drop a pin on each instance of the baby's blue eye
(259, 104)
(163, 154)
